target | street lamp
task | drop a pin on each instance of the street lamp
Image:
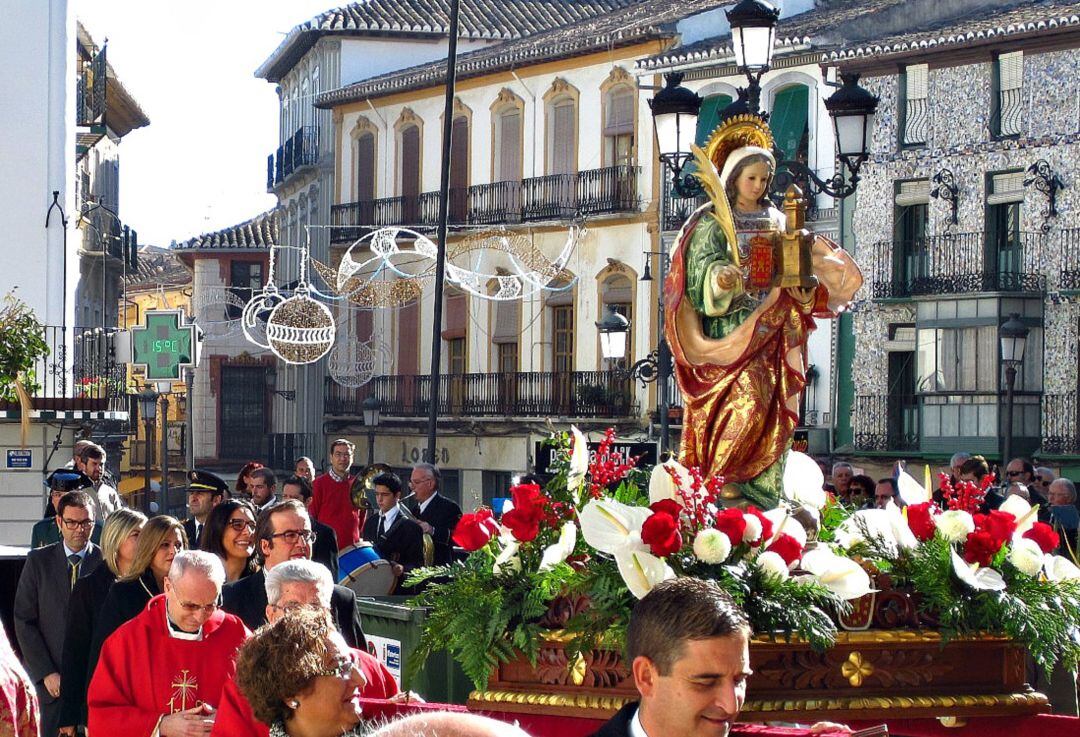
(148, 409)
(613, 329)
(1013, 334)
(371, 408)
(675, 112)
(753, 34)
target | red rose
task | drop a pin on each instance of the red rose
(787, 548)
(981, 547)
(661, 533)
(524, 519)
(1045, 536)
(766, 525)
(667, 506)
(473, 531)
(1001, 525)
(732, 523)
(920, 518)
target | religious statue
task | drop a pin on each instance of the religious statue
(744, 286)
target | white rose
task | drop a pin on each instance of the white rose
(1026, 555)
(772, 564)
(753, 530)
(712, 546)
(955, 525)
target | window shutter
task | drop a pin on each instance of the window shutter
(410, 162)
(457, 311)
(408, 335)
(918, 83)
(620, 112)
(788, 119)
(562, 137)
(913, 193)
(507, 322)
(510, 146)
(1011, 70)
(709, 116)
(1006, 188)
(365, 168)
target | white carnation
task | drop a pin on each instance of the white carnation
(712, 546)
(955, 525)
(1026, 555)
(773, 565)
(752, 533)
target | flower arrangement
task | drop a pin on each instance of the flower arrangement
(603, 531)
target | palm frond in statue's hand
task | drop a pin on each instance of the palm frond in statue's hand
(710, 180)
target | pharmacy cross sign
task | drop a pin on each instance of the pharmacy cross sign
(164, 346)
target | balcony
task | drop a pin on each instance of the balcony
(79, 379)
(886, 423)
(953, 263)
(299, 151)
(600, 394)
(1060, 424)
(284, 449)
(1070, 259)
(610, 190)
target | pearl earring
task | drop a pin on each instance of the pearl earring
(294, 704)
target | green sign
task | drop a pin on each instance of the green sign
(165, 345)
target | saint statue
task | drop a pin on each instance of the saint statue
(744, 285)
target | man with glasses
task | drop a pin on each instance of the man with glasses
(162, 672)
(325, 548)
(60, 482)
(42, 595)
(283, 533)
(204, 492)
(331, 501)
(436, 515)
(291, 586)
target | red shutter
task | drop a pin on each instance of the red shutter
(456, 313)
(408, 348)
(365, 168)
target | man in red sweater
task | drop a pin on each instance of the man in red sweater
(162, 672)
(331, 502)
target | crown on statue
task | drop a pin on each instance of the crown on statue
(737, 131)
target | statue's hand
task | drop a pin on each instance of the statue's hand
(728, 277)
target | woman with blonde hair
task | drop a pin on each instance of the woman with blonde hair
(119, 541)
(161, 539)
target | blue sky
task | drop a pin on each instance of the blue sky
(201, 163)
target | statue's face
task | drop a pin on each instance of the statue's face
(751, 183)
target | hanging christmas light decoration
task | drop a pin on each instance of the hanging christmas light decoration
(353, 363)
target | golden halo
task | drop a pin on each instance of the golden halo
(735, 132)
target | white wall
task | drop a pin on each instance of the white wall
(22, 493)
(37, 148)
(363, 58)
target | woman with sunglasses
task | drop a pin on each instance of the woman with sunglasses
(230, 535)
(159, 542)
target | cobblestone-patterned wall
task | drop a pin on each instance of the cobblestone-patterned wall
(959, 139)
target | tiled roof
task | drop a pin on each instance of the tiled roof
(643, 21)
(479, 20)
(157, 267)
(815, 28)
(978, 27)
(259, 232)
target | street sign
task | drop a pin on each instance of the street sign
(623, 452)
(164, 345)
(20, 458)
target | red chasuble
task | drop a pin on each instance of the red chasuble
(235, 718)
(144, 673)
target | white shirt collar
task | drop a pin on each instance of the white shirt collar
(335, 477)
(636, 730)
(389, 517)
(68, 552)
(424, 504)
(178, 634)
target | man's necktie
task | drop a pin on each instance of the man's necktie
(198, 534)
(382, 527)
(74, 560)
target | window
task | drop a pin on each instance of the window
(619, 126)
(507, 358)
(562, 136)
(506, 334)
(910, 257)
(789, 121)
(365, 167)
(958, 359)
(709, 116)
(563, 345)
(459, 170)
(244, 278)
(914, 108)
(1007, 119)
(456, 315)
(617, 293)
(508, 146)
(1004, 244)
(410, 172)
(408, 335)
(496, 486)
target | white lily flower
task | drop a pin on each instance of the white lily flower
(663, 486)
(911, 491)
(784, 524)
(1059, 568)
(712, 546)
(561, 550)
(613, 527)
(1026, 555)
(980, 579)
(641, 571)
(1026, 515)
(773, 565)
(842, 576)
(803, 481)
(508, 557)
(579, 459)
(955, 525)
(905, 538)
(867, 523)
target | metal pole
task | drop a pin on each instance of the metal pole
(440, 240)
(663, 358)
(189, 425)
(146, 468)
(1010, 381)
(371, 447)
(164, 454)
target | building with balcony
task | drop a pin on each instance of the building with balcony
(956, 228)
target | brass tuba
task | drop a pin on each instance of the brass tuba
(361, 485)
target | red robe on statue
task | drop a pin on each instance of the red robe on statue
(145, 673)
(235, 718)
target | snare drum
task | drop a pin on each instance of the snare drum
(362, 570)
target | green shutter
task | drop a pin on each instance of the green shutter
(788, 120)
(709, 116)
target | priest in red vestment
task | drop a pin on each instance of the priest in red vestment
(161, 674)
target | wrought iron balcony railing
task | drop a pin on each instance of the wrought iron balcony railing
(886, 423)
(602, 394)
(90, 92)
(1070, 259)
(1060, 424)
(285, 448)
(300, 150)
(916, 122)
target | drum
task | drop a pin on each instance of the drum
(362, 570)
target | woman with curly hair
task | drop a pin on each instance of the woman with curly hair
(230, 535)
(299, 677)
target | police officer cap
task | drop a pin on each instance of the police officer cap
(206, 481)
(68, 479)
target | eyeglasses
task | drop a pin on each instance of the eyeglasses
(1014, 473)
(291, 537)
(75, 524)
(413, 482)
(239, 525)
(296, 606)
(192, 608)
(341, 667)
(341, 455)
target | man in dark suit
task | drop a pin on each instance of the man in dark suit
(61, 481)
(42, 597)
(688, 646)
(437, 515)
(325, 548)
(397, 539)
(284, 533)
(204, 492)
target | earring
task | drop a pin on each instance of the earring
(294, 704)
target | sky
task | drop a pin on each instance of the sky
(201, 163)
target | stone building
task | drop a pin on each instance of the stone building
(956, 229)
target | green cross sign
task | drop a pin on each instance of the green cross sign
(165, 345)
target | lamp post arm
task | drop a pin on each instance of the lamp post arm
(837, 186)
